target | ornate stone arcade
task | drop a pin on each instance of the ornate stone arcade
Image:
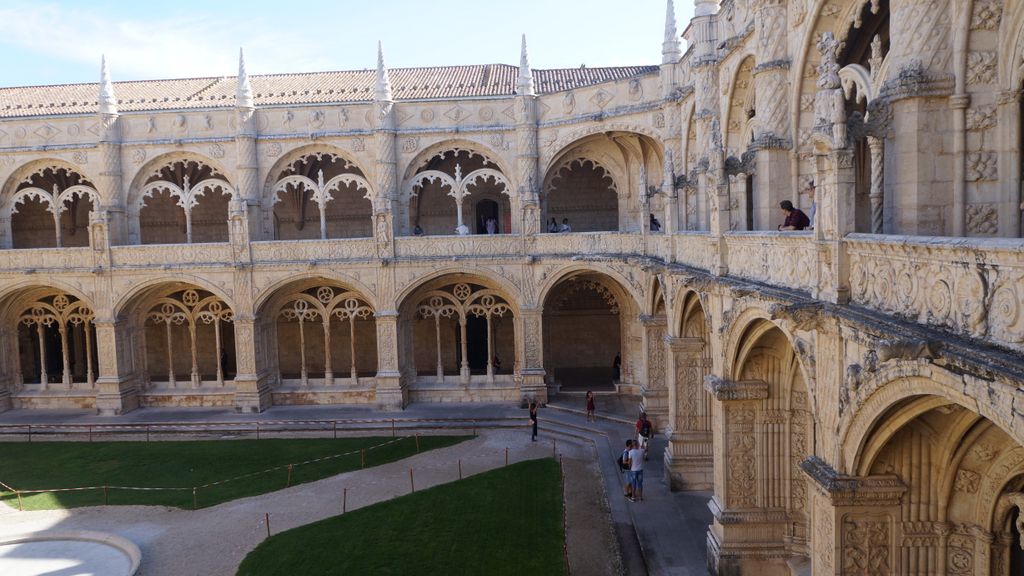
(850, 394)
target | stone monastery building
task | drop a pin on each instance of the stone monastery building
(851, 394)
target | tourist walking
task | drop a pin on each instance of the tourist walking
(636, 470)
(533, 418)
(590, 407)
(644, 429)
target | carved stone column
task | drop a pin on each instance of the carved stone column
(252, 382)
(9, 366)
(877, 194)
(246, 205)
(689, 456)
(854, 521)
(386, 170)
(653, 392)
(527, 166)
(99, 238)
(392, 394)
(110, 184)
(116, 386)
(531, 358)
(734, 413)
(1009, 127)
(772, 133)
(835, 219)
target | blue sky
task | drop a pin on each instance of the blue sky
(60, 41)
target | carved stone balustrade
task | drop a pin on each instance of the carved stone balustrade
(785, 259)
(313, 250)
(970, 286)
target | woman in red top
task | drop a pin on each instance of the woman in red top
(590, 407)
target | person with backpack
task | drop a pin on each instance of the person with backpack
(636, 472)
(623, 462)
(644, 430)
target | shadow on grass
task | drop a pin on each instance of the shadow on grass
(184, 465)
(500, 523)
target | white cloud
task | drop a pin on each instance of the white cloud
(158, 47)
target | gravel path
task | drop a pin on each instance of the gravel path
(213, 541)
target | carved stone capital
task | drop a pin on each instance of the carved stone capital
(843, 490)
(728, 390)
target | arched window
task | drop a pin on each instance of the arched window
(184, 201)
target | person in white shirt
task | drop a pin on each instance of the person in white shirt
(462, 230)
(565, 226)
(491, 226)
(636, 470)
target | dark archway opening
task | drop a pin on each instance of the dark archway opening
(476, 344)
(486, 211)
(1016, 552)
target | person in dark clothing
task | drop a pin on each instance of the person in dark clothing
(533, 418)
(795, 217)
(616, 369)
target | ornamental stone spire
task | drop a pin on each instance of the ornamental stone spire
(243, 94)
(524, 86)
(383, 89)
(705, 7)
(670, 48)
(107, 100)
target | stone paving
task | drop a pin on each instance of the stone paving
(664, 535)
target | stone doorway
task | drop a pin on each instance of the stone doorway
(485, 210)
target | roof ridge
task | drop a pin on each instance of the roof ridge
(213, 80)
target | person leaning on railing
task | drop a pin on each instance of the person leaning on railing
(795, 217)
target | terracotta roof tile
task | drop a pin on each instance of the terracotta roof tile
(441, 82)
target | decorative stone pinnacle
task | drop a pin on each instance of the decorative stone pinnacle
(704, 7)
(383, 90)
(525, 83)
(107, 100)
(670, 48)
(243, 95)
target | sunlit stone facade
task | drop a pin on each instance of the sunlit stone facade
(851, 394)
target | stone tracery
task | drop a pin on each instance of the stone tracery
(181, 184)
(186, 311)
(327, 306)
(65, 195)
(69, 318)
(332, 185)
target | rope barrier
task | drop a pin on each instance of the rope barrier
(361, 451)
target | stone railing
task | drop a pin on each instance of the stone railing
(445, 246)
(50, 259)
(692, 249)
(159, 255)
(284, 251)
(970, 286)
(588, 243)
(785, 259)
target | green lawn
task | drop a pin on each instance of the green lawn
(49, 465)
(504, 522)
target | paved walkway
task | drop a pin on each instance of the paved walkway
(662, 536)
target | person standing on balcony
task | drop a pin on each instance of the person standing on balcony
(814, 205)
(795, 217)
(565, 226)
(655, 225)
(553, 226)
(491, 226)
(462, 230)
